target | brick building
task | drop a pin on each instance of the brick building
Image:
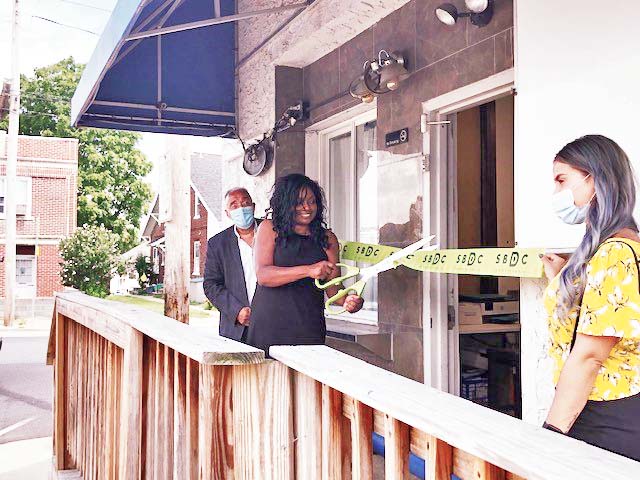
(206, 220)
(46, 210)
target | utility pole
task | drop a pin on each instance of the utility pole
(177, 228)
(10, 179)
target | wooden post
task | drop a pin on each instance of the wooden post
(440, 462)
(176, 213)
(59, 436)
(396, 449)
(131, 412)
(361, 444)
(215, 429)
(487, 471)
(308, 426)
(177, 273)
(193, 389)
(263, 422)
(331, 434)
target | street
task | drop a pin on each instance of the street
(25, 408)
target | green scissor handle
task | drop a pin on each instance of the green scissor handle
(351, 272)
(356, 288)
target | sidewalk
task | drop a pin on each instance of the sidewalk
(26, 459)
(38, 326)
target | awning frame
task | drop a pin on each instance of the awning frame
(120, 38)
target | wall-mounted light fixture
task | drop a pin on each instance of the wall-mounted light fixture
(258, 156)
(480, 12)
(379, 76)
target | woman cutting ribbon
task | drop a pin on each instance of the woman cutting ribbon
(293, 248)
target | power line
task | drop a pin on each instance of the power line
(65, 25)
(85, 5)
(34, 114)
(44, 96)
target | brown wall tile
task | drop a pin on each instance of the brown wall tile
(321, 86)
(353, 54)
(289, 156)
(397, 32)
(434, 39)
(502, 20)
(504, 50)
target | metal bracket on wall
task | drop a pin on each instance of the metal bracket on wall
(426, 162)
(425, 123)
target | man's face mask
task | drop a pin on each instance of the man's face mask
(242, 217)
(564, 206)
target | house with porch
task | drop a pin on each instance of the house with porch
(418, 118)
(206, 219)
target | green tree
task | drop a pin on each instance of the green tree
(111, 189)
(90, 258)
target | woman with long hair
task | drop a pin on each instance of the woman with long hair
(292, 248)
(593, 300)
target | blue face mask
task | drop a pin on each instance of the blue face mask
(242, 217)
(564, 206)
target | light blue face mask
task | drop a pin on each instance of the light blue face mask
(242, 217)
(564, 206)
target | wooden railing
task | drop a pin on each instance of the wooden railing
(138, 395)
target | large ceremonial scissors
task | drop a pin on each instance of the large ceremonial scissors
(392, 261)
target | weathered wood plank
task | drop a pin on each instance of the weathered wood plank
(131, 413)
(361, 445)
(263, 422)
(160, 433)
(331, 434)
(215, 429)
(60, 397)
(396, 449)
(440, 460)
(109, 319)
(526, 450)
(167, 410)
(149, 405)
(71, 381)
(180, 465)
(485, 471)
(192, 431)
(51, 344)
(110, 427)
(307, 426)
(419, 443)
(95, 320)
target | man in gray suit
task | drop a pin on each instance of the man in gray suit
(229, 274)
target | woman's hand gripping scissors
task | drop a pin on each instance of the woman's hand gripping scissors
(392, 261)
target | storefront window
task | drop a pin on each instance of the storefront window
(352, 191)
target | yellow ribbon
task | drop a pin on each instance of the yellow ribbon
(496, 262)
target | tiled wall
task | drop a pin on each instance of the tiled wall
(441, 59)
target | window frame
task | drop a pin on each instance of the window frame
(324, 176)
(196, 258)
(196, 204)
(29, 204)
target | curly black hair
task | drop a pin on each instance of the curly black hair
(282, 206)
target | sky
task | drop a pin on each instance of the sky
(43, 43)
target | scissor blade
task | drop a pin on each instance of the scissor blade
(389, 262)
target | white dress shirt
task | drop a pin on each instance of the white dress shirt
(246, 256)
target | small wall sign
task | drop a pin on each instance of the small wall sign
(397, 137)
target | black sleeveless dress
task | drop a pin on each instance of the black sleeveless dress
(292, 314)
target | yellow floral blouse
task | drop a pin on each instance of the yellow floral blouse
(610, 307)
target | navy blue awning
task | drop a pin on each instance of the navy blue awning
(179, 82)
